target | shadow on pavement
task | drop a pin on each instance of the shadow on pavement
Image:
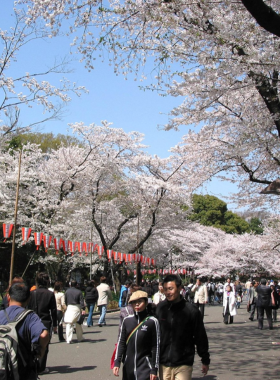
(68, 369)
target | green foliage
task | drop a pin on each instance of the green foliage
(212, 211)
(256, 226)
(47, 141)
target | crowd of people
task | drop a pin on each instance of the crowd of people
(161, 323)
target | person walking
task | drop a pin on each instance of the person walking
(75, 307)
(229, 305)
(104, 294)
(159, 296)
(91, 297)
(181, 331)
(42, 301)
(264, 304)
(200, 295)
(61, 307)
(138, 342)
(252, 299)
(31, 331)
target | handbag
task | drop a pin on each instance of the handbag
(81, 319)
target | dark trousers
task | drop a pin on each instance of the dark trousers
(268, 312)
(253, 309)
(60, 326)
(274, 314)
(227, 315)
(201, 308)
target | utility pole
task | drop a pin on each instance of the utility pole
(15, 222)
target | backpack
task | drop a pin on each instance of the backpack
(9, 348)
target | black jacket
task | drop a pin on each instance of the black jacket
(182, 329)
(91, 295)
(264, 296)
(141, 354)
(42, 301)
(74, 296)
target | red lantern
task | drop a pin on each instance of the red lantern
(38, 236)
(62, 244)
(109, 254)
(77, 246)
(7, 230)
(121, 257)
(25, 233)
(47, 241)
(56, 244)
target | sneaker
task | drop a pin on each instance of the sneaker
(46, 370)
(62, 340)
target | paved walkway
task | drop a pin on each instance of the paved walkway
(238, 351)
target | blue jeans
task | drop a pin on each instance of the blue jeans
(90, 311)
(102, 311)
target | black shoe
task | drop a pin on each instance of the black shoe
(100, 325)
(251, 319)
(62, 340)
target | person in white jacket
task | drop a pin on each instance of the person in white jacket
(159, 296)
(229, 305)
(200, 296)
(104, 294)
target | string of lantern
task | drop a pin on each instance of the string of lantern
(71, 247)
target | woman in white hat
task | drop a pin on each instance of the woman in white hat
(138, 344)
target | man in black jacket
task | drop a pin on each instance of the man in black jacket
(42, 301)
(182, 329)
(264, 304)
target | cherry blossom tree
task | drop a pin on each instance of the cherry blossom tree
(214, 55)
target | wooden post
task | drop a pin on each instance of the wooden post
(15, 222)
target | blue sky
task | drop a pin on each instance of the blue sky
(110, 98)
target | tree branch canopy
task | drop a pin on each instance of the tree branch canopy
(266, 17)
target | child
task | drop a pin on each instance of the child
(238, 301)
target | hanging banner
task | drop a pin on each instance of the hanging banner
(153, 262)
(148, 261)
(38, 236)
(120, 257)
(7, 230)
(25, 233)
(47, 241)
(138, 257)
